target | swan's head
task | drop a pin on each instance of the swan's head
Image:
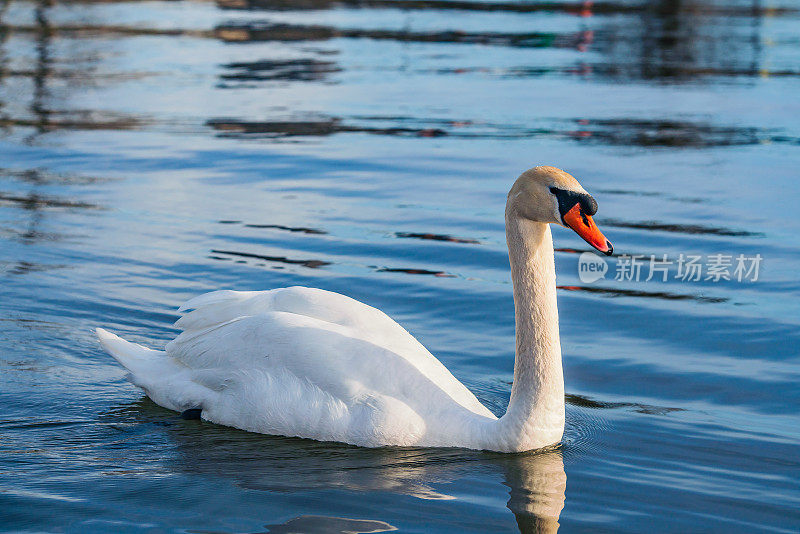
(550, 195)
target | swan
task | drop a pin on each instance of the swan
(315, 364)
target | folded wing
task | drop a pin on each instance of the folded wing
(335, 342)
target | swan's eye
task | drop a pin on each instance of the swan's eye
(568, 199)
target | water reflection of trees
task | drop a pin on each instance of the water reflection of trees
(688, 41)
(32, 202)
(683, 40)
(36, 116)
(679, 41)
(614, 132)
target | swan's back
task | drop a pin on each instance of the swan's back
(302, 362)
(358, 320)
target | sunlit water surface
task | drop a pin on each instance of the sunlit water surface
(151, 151)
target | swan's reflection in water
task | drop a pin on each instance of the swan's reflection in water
(538, 488)
(536, 481)
(319, 524)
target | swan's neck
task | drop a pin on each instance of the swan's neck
(535, 415)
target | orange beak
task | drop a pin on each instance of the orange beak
(584, 226)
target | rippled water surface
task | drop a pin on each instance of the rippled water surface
(151, 151)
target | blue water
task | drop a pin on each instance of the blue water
(151, 151)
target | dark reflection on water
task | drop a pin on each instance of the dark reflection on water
(313, 524)
(46, 31)
(663, 295)
(311, 264)
(293, 229)
(155, 150)
(286, 32)
(232, 128)
(44, 176)
(25, 267)
(621, 132)
(671, 133)
(583, 9)
(577, 400)
(49, 120)
(689, 40)
(36, 202)
(313, 231)
(413, 271)
(303, 70)
(661, 40)
(437, 237)
(680, 228)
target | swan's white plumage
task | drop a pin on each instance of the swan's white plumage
(302, 362)
(310, 363)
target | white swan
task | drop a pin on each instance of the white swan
(314, 364)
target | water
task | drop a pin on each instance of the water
(151, 151)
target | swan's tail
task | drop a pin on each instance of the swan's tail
(166, 382)
(138, 360)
